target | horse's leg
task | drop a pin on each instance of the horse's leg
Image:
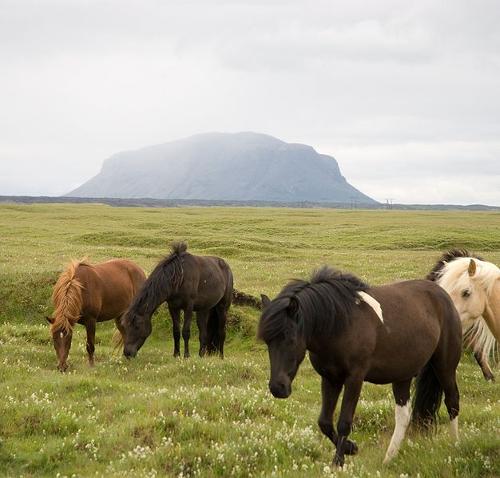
(451, 400)
(90, 326)
(186, 328)
(444, 364)
(201, 320)
(401, 391)
(485, 366)
(330, 394)
(176, 326)
(448, 381)
(352, 389)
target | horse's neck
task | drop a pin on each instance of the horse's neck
(317, 343)
(69, 303)
(492, 314)
(150, 307)
(150, 303)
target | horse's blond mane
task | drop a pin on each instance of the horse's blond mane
(67, 298)
(479, 339)
(454, 275)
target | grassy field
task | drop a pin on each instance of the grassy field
(160, 416)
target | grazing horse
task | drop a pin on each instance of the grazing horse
(86, 294)
(201, 284)
(356, 333)
(474, 286)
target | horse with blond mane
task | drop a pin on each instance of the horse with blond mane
(87, 294)
(474, 286)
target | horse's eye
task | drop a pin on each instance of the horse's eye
(466, 293)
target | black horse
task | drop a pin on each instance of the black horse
(355, 333)
(201, 284)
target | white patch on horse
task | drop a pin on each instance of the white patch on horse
(374, 304)
(402, 415)
(454, 429)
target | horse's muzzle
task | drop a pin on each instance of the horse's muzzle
(129, 353)
(280, 389)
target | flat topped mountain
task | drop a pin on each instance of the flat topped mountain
(219, 166)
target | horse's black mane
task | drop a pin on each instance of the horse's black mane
(166, 278)
(448, 257)
(321, 305)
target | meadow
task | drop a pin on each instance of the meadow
(160, 416)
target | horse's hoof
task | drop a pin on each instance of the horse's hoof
(186, 355)
(350, 448)
(177, 354)
(338, 461)
(489, 377)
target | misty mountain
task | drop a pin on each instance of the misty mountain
(219, 166)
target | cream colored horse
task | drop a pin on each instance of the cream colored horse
(474, 286)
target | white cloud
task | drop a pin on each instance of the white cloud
(401, 93)
(454, 172)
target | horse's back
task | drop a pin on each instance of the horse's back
(210, 279)
(418, 316)
(110, 286)
(424, 305)
(421, 296)
(214, 261)
(135, 272)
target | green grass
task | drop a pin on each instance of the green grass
(156, 415)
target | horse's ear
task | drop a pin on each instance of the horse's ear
(50, 320)
(265, 300)
(293, 307)
(472, 267)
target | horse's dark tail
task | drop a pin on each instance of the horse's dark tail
(213, 339)
(428, 396)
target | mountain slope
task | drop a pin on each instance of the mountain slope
(219, 166)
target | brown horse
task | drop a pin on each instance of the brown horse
(86, 294)
(356, 333)
(189, 283)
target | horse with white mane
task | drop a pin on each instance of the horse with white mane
(474, 286)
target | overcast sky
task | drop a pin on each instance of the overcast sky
(404, 94)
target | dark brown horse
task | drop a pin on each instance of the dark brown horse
(355, 333)
(189, 283)
(87, 294)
